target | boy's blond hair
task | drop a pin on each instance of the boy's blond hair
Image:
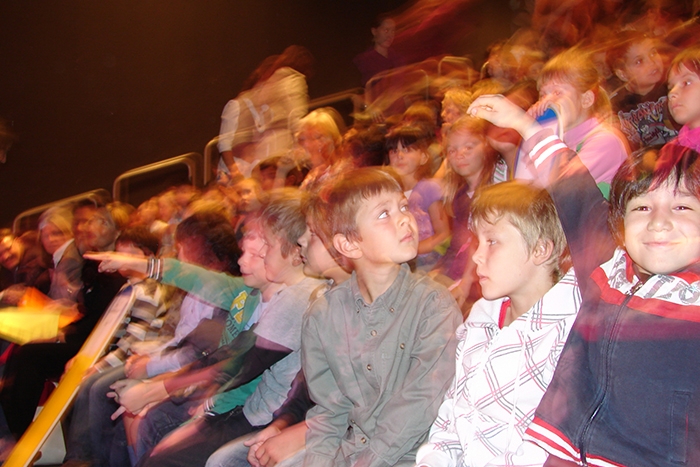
(343, 200)
(531, 211)
(283, 216)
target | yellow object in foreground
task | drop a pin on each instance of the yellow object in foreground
(54, 408)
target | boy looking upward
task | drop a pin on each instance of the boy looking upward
(511, 341)
(376, 349)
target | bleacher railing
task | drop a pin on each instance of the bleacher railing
(137, 185)
(29, 219)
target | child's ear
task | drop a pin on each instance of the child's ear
(296, 256)
(620, 73)
(346, 247)
(425, 157)
(588, 99)
(543, 251)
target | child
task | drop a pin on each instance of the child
(570, 81)
(684, 96)
(471, 164)
(510, 343)
(641, 105)
(625, 391)
(149, 304)
(276, 346)
(376, 349)
(409, 157)
(283, 439)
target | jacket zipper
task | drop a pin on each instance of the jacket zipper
(599, 403)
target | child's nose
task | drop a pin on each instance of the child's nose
(659, 221)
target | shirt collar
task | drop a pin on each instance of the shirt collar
(58, 254)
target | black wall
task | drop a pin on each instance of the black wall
(95, 88)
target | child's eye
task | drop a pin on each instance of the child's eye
(404, 207)
(641, 208)
(683, 208)
(383, 214)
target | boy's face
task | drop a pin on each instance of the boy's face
(406, 161)
(643, 67)
(684, 97)
(466, 154)
(276, 265)
(503, 260)
(388, 229)
(252, 263)
(314, 254)
(662, 230)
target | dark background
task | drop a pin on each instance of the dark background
(95, 88)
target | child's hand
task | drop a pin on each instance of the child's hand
(112, 262)
(276, 448)
(503, 113)
(136, 367)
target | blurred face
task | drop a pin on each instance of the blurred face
(276, 265)
(388, 230)
(384, 34)
(317, 144)
(53, 238)
(662, 230)
(10, 252)
(251, 262)
(166, 208)
(643, 67)
(574, 105)
(466, 155)
(503, 261)
(407, 161)
(684, 97)
(148, 212)
(450, 113)
(81, 216)
(247, 197)
(314, 254)
(99, 232)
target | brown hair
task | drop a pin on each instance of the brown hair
(343, 200)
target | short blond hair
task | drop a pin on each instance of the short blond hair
(531, 211)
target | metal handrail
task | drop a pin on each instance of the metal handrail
(36, 211)
(404, 70)
(191, 160)
(210, 162)
(336, 97)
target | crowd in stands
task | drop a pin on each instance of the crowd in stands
(505, 274)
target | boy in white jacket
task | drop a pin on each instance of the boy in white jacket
(511, 341)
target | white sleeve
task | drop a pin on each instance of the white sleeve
(229, 124)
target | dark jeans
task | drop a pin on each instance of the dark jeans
(159, 421)
(216, 431)
(91, 428)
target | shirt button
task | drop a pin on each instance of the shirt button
(369, 367)
(402, 345)
(363, 440)
(391, 309)
(374, 333)
(352, 422)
